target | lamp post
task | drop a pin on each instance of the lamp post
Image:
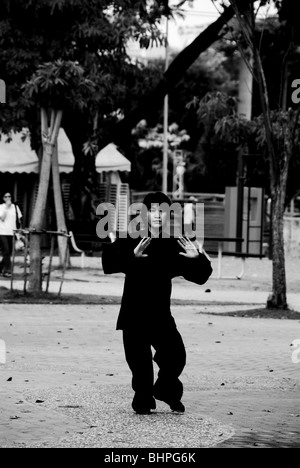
(166, 119)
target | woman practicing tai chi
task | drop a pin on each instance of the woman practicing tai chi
(145, 315)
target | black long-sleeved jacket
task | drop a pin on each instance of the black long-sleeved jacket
(148, 282)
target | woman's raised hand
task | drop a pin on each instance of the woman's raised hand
(139, 250)
(190, 249)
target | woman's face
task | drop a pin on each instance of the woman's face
(156, 217)
(7, 199)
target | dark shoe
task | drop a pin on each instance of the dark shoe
(142, 411)
(175, 405)
(142, 405)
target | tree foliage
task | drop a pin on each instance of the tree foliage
(93, 33)
(221, 111)
(59, 85)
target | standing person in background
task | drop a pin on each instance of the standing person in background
(10, 217)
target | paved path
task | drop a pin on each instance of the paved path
(66, 383)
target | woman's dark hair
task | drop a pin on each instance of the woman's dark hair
(9, 193)
(156, 197)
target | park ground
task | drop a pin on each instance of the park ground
(65, 382)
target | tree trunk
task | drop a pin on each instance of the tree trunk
(49, 138)
(35, 282)
(278, 173)
(278, 178)
(77, 131)
(59, 207)
(278, 298)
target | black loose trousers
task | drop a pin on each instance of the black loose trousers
(145, 315)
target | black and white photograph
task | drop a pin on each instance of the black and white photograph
(149, 226)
